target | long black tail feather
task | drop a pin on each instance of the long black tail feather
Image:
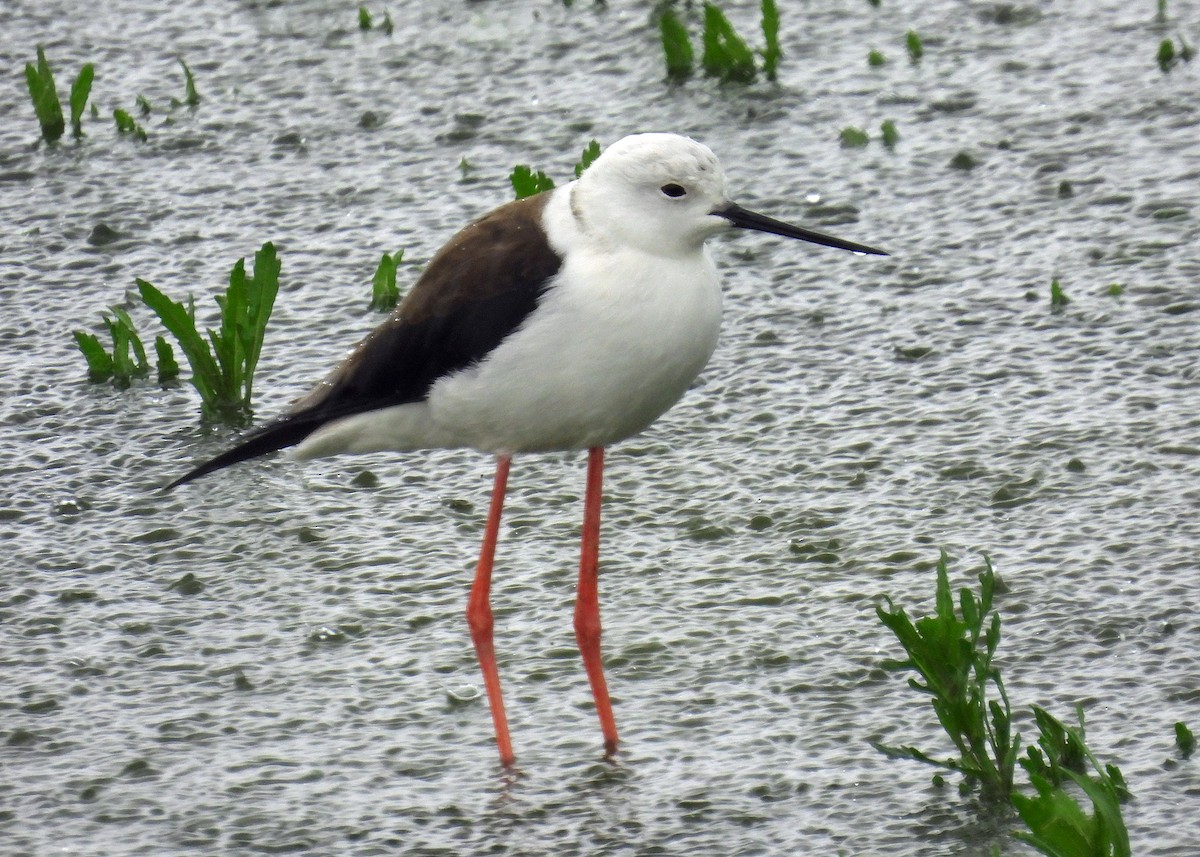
(280, 434)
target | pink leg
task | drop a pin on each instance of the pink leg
(587, 601)
(479, 612)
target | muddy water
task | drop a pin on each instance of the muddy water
(317, 692)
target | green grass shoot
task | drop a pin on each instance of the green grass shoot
(590, 153)
(952, 652)
(677, 47)
(44, 95)
(1166, 55)
(386, 25)
(128, 358)
(1057, 824)
(1184, 739)
(143, 105)
(384, 293)
(875, 58)
(1161, 15)
(127, 125)
(853, 138)
(190, 96)
(726, 55)
(364, 18)
(1058, 298)
(914, 46)
(890, 135)
(772, 53)
(46, 104)
(223, 374)
(80, 90)
(168, 368)
(1115, 290)
(527, 182)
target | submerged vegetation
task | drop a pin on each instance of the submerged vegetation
(223, 374)
(1058, 298)
(367, 22)
(126, 124)
(48, 107)
(190, 96)
(128, 357)
(384, 293)
(726, 55)
(952, 653)
(1168, 56)
(526, 181)
(914, 46)
(46, 104)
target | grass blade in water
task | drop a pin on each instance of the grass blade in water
(384, 294)
(772, 53)
(726, 55)
(80, 90)
(677, 47)
(44, 95)
(100, 364)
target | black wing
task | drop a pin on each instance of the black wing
(477, 290)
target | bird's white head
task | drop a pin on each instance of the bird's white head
(665, 194)
(656, 192)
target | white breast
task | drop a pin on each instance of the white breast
(616, 340)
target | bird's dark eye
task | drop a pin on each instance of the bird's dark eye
(673, 190)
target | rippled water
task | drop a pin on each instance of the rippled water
(317, 690)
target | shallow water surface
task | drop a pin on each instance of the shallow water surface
(276, 659)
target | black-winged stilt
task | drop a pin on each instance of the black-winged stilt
(569, 320)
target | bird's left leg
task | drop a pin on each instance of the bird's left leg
(587, 600)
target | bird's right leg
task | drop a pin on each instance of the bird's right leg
(479, 611)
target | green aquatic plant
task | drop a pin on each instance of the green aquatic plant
(46, 104)
(190, 96)
(1168, 56)
(1057, 824)
(590, 152)
(80, 90)
(527, 182)
(384, 293)
(771, 53)
(1058, 298)
(875, 58)
(853, 138)
(223, 374)
(364, 18)
(1184, 740)
(128, 358)
(914, 46)
(952, 652)
(127, 125)
(677, 47)
(726, 55)
(891, 136)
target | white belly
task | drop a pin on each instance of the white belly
(614, 343)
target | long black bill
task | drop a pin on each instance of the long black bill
(744, 219)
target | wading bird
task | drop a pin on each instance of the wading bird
(569, 320)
